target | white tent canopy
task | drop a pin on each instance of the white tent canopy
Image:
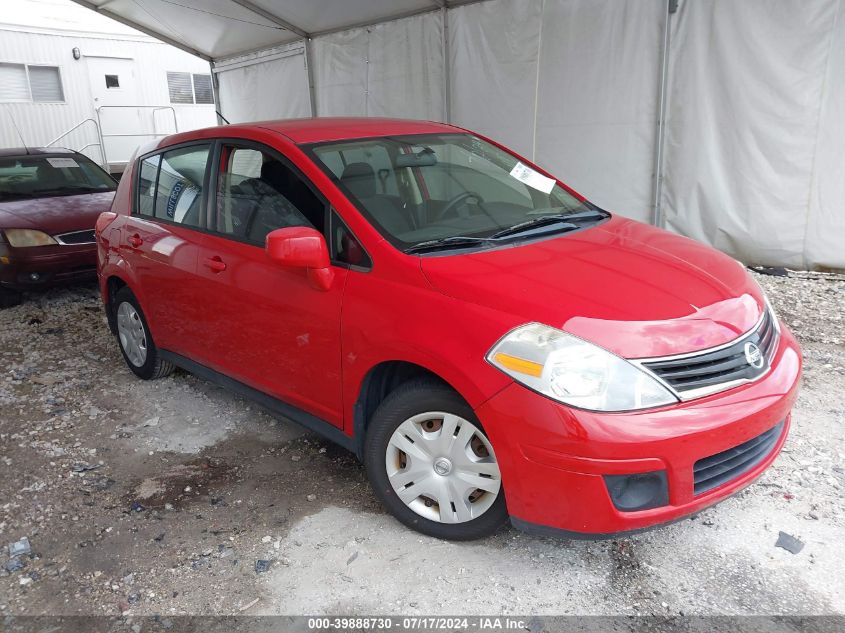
(219, 29)
(735, 136)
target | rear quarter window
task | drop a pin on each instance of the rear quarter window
(147, 175)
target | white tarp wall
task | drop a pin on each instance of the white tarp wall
(390, 69)
(825, 224)
(272, 84)
(755, 153)
(570, 83)
(755, 142)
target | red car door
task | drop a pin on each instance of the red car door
(267, 326)
(161, 241)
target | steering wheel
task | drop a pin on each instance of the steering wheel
(456, 202)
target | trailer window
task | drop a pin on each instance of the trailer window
(26, 82)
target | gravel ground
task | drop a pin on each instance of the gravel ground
(176, 497)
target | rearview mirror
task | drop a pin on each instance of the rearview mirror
(302, 247)
(424, 158)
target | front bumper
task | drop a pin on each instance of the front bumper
(554, 458)
(36, 267)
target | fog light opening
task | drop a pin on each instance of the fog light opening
(640, 491)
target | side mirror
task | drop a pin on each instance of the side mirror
(302, 247)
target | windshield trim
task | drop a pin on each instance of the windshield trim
(484, 244)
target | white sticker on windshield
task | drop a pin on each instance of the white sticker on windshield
(61, 163)
(536, 180)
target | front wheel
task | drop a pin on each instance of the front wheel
(431, 464)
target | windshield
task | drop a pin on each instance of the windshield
(44, 176)
(449, 191)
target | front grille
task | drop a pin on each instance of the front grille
(711, 371)
(77, 237)
(713, 471)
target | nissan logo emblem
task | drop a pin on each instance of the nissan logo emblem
(754, 356)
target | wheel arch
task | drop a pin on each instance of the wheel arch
(112, 286)
(378, 383)
(112, 282)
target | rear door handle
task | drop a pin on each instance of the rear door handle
(135, 241)
(216, 264)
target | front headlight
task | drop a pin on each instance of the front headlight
(20, 238)
(575, 372)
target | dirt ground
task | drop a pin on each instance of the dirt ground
(176, 497)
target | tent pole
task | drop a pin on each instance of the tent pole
(657, 185)
(215, 91)
(447, 75)
(309, 71)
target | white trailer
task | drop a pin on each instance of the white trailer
(71, 78)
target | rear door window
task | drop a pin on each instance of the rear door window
(179, 192)
(171, 185)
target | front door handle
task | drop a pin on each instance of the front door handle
(135, 241)
(216, 264)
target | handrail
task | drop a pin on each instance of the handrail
(84, 147)
(173, 111)
(78, 125)
(154, 134)
(154, 108)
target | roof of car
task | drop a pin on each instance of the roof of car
(316, 130)
(319, 129)
(6, 152)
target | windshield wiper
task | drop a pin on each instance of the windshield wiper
(70, 189)
(565, 222)
(454, 241)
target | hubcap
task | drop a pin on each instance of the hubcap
(443, 467)
(130, 330)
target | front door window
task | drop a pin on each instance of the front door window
(258, 193)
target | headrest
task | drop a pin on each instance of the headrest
(360, 179)
(274, 173)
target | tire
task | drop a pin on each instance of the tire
(10, 298)
(449, 456)
(134, 338)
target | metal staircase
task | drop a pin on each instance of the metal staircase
(118, 130)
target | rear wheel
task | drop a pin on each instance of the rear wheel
(9, 298)
(431, 464)
(136, 342)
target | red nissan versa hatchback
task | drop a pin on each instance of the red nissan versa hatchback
(487, 341)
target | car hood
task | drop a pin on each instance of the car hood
(55, 215)
(634, 289)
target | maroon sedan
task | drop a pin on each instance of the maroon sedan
(50, 199)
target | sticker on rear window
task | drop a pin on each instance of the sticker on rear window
(173, 198)
(61, 163)
(535, 180)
